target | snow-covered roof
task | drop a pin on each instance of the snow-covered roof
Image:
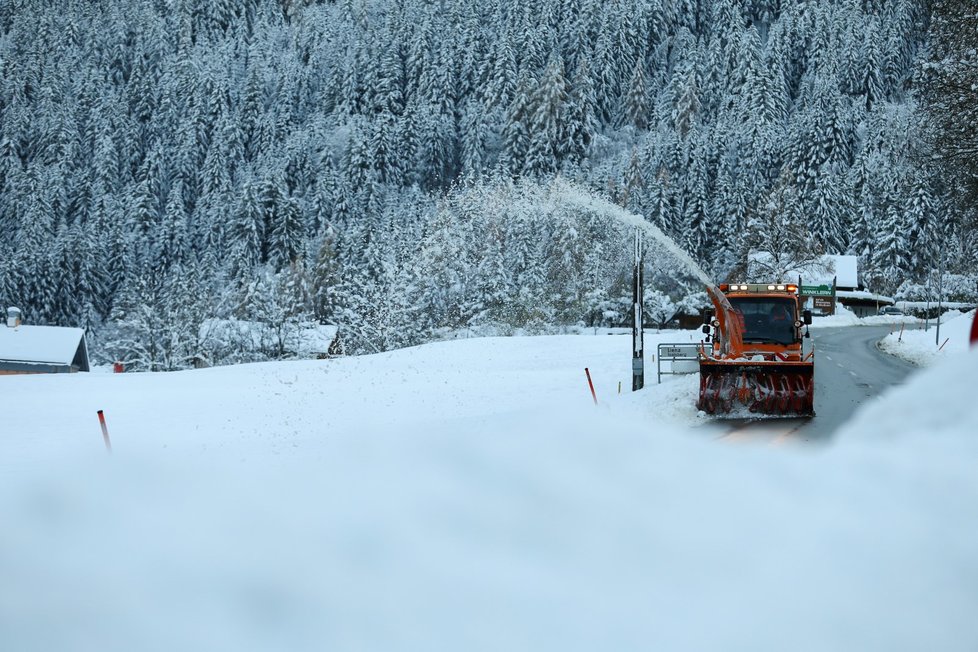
(843, 268)
(863, 294)
(846, 270)
(40, 344)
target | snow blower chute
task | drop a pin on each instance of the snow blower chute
(753, 359)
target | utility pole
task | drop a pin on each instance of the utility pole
(940, 293)
(638, 352)
(927, 312)
(876, 290)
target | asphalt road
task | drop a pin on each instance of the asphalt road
(849, 371)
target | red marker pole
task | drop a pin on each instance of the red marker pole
(105, 431)
(974, 330)
(591, 385)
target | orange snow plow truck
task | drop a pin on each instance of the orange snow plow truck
(752, 359)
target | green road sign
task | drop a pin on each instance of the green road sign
(816, 290)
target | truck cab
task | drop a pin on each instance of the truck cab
(769, 315)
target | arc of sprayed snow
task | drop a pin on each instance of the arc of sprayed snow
(581, 198)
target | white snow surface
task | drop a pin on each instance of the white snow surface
(467, 495)
(841, 269)
(922, 347)
(51, 344)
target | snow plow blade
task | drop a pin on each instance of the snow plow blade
(768, 388)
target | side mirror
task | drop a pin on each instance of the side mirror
(706, 328)
(707, 317)
(807, 316)
(807, 334)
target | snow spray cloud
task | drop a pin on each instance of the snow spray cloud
(581, 198)
(586, 201)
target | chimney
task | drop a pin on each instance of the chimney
(13, 317)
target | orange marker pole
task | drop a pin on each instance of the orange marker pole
(591, 385)
(105, 431)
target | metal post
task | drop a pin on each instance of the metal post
(940, 294)
(876, 291)
(927, 313)
(835, 300)
(638, 352)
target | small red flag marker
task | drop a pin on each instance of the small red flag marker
(591, 385)
(105, 431)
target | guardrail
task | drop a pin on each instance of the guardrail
(683, 358)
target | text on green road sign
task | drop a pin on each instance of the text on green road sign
(816, 290)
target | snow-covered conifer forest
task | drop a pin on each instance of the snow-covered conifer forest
(402, 168)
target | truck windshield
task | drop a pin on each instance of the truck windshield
(766, 320)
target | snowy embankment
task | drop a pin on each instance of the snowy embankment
(922, 347)
(468, 495)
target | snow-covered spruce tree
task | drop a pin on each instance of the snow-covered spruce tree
(827, 209)
(246, 235)
(174, 232)
(286, 232)
(686, 97)
(580, 122)
(696, 217)
(636, 105)
(516, 132)
(549, 108)
(921, 224)
(891, 253)
(475, 140)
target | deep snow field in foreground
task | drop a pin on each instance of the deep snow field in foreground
(467, 495)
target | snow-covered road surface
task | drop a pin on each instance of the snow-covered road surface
(467, 495)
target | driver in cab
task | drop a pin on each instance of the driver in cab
(780, 315)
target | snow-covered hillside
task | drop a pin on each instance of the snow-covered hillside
(468, 495)
(389, 167)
